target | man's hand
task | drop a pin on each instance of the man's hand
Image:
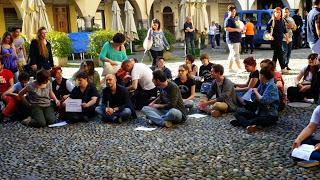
(203, 105)
(317, 147)
(296, 144)
(84, 105)
(109, 111)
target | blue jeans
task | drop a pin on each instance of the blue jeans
(217, 37)
(211, 40)
(124, 114)
(287, 52)
(190, 42)
(159, 116)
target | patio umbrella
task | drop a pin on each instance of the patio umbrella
(116, 20)
(34, 17)
(130, 26)
(200, 19)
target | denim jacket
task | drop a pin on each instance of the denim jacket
(269, 103)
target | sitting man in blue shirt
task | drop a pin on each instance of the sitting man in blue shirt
(116, 104)
(266, 100)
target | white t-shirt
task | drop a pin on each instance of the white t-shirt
(212, 30)
(315, 118)
(143, 74)
(242, 28)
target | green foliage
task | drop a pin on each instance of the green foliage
(61, 44)
(171, 38)
(97, 40)
(142, 34)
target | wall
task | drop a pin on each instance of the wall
(73, 18)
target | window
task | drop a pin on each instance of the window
(265, 18)
(98, 21)
(252, 16)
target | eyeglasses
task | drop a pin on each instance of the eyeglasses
(181, 70)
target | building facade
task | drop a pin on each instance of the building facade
(77, 15)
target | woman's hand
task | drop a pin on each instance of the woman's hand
(317, 147)
(113, 63)
(109, 111)
(84, 105)
(57, 103)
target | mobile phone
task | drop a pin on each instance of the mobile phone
(307, 164)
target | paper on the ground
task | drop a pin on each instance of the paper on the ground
(247, 95)
(197, 115)
(73, 105)
(63, 123)
(303, 152)
(142, 128)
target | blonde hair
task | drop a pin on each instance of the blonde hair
(43, 50)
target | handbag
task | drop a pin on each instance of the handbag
(148, 41)
(268, 36)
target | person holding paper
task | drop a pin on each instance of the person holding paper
(168, 107)
(266, 99)
(39, 95)
(223, 89)
(116, 104)
(89, 95)
(306, 137)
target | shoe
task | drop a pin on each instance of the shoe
(234, 122)
(284, 71)
(215, 113)
(251, 129)
(167, 124)
(26, 121)
(6, 119)
(288, 68)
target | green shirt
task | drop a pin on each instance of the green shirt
(107, 51)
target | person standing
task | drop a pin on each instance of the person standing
(168, 107)
(250, 32)
(277, 27)
(211, 33)
(40, 51)
(287, 46)
(306, 45)
(233, 37)
(217, 35)
(20, 48)
(313, 24)
(9, 55)
(297, 33)
(159, 41)
(189, 36)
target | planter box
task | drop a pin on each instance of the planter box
(60, 61)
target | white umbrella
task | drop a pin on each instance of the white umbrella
(200, 19)
(34, 17)
(116, 20)
(182, 14)
(130, 26)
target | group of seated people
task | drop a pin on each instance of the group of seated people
(161, 98)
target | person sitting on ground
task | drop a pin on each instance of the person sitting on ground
(266, 99)
(116, 104)
(61, 86)
(39, 95)
(113, 54)
(223, 88)
(160, 65)
(253, 81)
(278, 80)
(303, 89)
(186, 85)
(168, 107)
(13, 100)
(307, 135)
(89, 95)
(6, 82)
(205, 73)
(193, 69)
(141, 86)
(93, 75)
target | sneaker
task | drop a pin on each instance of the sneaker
(167, 124)
(251, 129)
(234, 122)
(215, 113)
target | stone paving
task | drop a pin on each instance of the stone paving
(206, 148)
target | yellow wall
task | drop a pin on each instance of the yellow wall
(107, 15)
(50, 14)
(73, 19)
(2, 26)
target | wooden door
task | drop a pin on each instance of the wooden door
(60, 14)
(168, 22)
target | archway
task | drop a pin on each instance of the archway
(168, 21)
(271, 4)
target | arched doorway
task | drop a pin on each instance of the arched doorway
(168, 19)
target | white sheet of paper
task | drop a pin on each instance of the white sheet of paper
(73, 105)
(303, 152)
(63, 123)
(247, 95)
(197, 115)
(142, 128)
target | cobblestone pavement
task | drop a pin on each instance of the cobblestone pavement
(206, 148)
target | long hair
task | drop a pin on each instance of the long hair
(186, 68)
(312, 69)
(276, 9)
(4, 38)
(43, 50)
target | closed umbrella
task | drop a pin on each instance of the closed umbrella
(200, 19)
(34, 17)
(182, 14)
(130, 26)
(116, 20)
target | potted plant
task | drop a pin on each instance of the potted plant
(137, 43)
(171, 38)
(61, 47)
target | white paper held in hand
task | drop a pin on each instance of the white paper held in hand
(141, 128)
(303, 152)
(247, 95)
(73, 105)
